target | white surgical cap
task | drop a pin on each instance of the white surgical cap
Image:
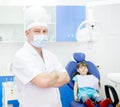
(35, 16)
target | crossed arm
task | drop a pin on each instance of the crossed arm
(51, 79)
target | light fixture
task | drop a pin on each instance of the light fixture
(88, 31)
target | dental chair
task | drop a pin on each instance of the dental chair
(71, 68)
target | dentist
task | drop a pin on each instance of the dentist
(38, 73)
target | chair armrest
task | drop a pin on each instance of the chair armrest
(109, 88)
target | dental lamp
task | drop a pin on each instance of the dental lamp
(88, 31)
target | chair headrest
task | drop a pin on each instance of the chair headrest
(79, 57)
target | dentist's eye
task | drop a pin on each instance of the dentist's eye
(45, 31)
(37, 31)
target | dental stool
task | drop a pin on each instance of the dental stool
(71, 68)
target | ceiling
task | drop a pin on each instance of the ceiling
(54, 2)
(46, 2)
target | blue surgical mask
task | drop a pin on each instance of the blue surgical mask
(39, 40)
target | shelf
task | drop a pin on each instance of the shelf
(4, 42)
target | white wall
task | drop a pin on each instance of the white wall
(107, 50)
(7, 51)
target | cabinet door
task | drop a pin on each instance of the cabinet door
(4, 79)
(11, 15)
(68, 19)
(11, 24)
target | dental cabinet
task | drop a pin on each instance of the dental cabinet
(63, 23)
(11, 24)
(4, 79)
(68, 18)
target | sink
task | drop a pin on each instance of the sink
(114, 77)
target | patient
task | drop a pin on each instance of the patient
(86, 87)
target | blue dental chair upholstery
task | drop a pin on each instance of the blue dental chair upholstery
(71, 68)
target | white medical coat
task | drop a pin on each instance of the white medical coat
(26, 65)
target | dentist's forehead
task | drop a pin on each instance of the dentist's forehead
(40, 28)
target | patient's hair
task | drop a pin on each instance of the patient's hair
(78, 66)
